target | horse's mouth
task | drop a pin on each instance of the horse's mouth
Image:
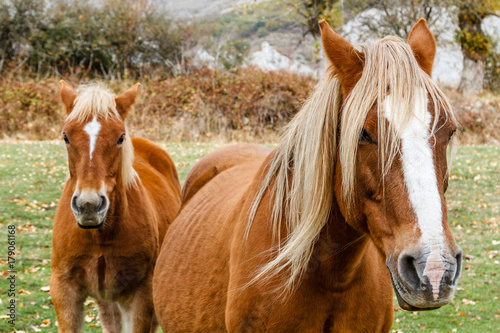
(91, 221)
(91, 225)
(404, 304)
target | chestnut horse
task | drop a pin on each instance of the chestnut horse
(307, 238)
(121, 196)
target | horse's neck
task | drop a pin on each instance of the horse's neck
(119, 205)
(339, 252)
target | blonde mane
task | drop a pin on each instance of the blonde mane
(301, 173)
(97, 101)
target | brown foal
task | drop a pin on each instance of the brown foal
(121, 196)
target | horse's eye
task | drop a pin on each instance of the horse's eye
(451, 135)
(120, 140)
(66, 139)
(365, 137)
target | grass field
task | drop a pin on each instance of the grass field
(32, 177)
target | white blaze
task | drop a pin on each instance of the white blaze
(92, 130)
(421, 183)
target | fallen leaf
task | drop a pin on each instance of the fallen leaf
(468, 301)
(45, 323)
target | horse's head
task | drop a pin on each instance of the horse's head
(395, 127)
(99, 152)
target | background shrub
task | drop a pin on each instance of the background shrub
(244, 104)
(116, 39)
(262, 32)
(186, 107)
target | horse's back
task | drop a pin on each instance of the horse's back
(218, 161)
(191, 275)
(159, 159)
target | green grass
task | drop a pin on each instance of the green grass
(32, 177)
(474, 216)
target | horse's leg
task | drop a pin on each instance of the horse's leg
(111, 317)
(138, 311)
(136, 319)
(127, 318)
(68, 305)
(155, 325)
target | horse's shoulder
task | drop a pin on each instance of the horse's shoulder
(219, 161)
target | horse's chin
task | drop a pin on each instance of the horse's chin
(95, 226)
(408, 307)
(91, 221)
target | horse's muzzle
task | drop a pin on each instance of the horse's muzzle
(417, 287)
(90, 209)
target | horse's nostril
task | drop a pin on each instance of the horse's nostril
(102, 205)
(458, 271)
(409, 273)
(74, 205)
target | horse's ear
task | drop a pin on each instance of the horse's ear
(68, 96)
(125, 101)
(347, 61)
(423, 44)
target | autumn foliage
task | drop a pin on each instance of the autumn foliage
(200, 105)
(243, 105)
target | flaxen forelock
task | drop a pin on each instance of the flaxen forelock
(96, 101)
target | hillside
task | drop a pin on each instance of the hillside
(190, 9)
(269, 27)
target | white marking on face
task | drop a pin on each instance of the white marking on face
(90, 194)
(92, 130)
(421, 183)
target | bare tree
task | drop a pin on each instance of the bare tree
(311, 11)
(397, 17)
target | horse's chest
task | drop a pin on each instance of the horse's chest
(111, 278)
